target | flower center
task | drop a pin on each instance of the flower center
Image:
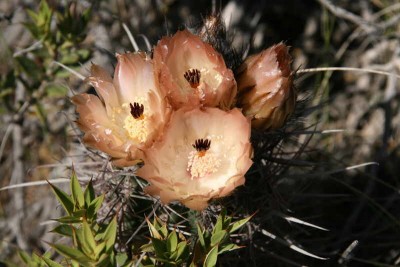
(202, 145)
(137, 110)
(201, 162)
(193, 77)
(137, 124)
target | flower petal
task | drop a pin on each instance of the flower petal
(177, 172)
(174, 56)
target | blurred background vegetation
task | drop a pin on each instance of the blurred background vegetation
(353, 116)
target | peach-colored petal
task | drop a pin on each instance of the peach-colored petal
(184, 53)
(265, 85)
(130, 113)
(133, 77)
(178, 169)
(103, 84)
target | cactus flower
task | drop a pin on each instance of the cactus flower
(199, 158)
(192, 73)
(265, 86)
(129, 112)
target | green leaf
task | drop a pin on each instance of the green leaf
(88, 237)
(217, 237)
(110, 234)
(172, 242)
(201, 237)
(218, 226)
(94, 206)
(63, 229)
(121, 258)
(24, 256)
(32, 14)
(89, 193)
(37, 261)
(76, 190)
(82, 245)
(51, 263)
(79, 213)
(153, 231)
(68, 219)
(29, 66)
(163, 231)
(56, 90)
(211, 258)
(104, 261)
(236, 225)
(181, 252)
(147, 248)
(99, 249)
(229, 247)
(73, 254)
(159, 247)
(84, 54)
(63, 198)
(70, 59)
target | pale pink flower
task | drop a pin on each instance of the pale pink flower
(192, 73)
(204, 154)
(129, 113)
(265, 85)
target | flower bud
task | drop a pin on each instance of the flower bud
(265, 86)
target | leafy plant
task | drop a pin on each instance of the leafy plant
(92, 242)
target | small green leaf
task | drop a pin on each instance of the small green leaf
(229, 247)
(69, 59)
(24, 256)
(182, 251)
(56, 90)
(73, 254)
(32, 14)
(159, 247)
(236, 225)
(147, 248)
(211, 258)
(82, 245)
(172, 242)
(51, 263)
(94, 206)
(84, 53)
(37, 260)
(104, 261)
(79, 213)
(121, 259)
(153, 231)
(30, 67)
(89, 193)
(76, 190)
(218, 226)
(99, 249)
(88, 237)
(163, 231)
(201, 236)
(63, 198)
(217, 237)
(110, 234)
(63, 229)
(68, 219)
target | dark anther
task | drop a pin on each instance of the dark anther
(136, 110)
(193, 77)
(202, 145)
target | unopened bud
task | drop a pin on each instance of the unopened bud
(265, 86)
